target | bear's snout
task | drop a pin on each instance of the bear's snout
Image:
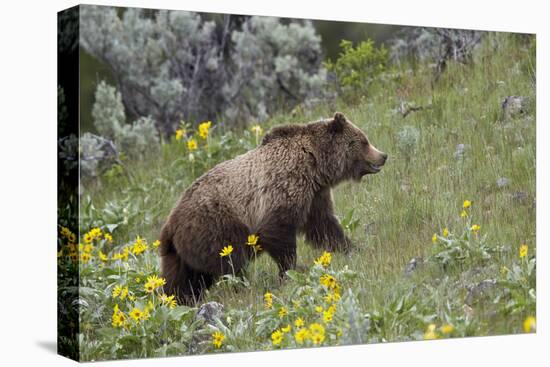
(375, 159)
(383, 158)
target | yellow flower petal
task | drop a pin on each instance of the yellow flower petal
(530, 324)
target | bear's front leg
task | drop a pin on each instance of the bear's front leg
(322, 228)
(279, 241)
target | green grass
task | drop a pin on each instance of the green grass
(419, 192)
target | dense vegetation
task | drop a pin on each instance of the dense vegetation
(445, 233)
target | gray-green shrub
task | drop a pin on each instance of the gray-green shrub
(174, 65)
(136, 140)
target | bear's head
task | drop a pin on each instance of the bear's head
(352, 151)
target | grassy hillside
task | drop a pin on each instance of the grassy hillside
(467, 282)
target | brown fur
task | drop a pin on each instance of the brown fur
(280, 189)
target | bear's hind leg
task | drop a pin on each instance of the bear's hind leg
(185, 283)
(198, 283)
(176, 276)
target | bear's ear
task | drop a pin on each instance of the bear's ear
(337, 124)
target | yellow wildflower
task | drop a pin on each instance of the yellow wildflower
(283, 312)
(122, 255)
(160, 282)
(286, 329)
(149, 287)
(317, 333)
(268, 300)
(277, 337)
(252, 240)
(316, 328)
(124, 293)
(530, 324)
(60, 253)
(430, 332)
(136, 314)
(299, 322)
(301, 335)
(319, 309)
(328, 281)
(168, 300)
(204, 128)
(73, 256)
(65, 232)
(116, 291)
(463, 214)
(217, 339)
(447, 328)
(156, 244)
(68, 234)
(95, 232)
(179, 134)
(332, 297)
(139, 246)
(445, 232)
(434, 238)
(475, 228)
(153, 282)
(327, 316)
(318, 338)
(256, 129)
(523, 250)
(85, 257)
(192, 144)
(88, 248)
(102, 256)
(324, 259)
(87, 238)
(118, 319)
(226, 251)
(164, 297)
(467, 204)
(108, 237)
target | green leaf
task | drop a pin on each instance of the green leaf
(296, 276)
(109, 332)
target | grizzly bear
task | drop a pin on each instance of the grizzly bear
(275, 191)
